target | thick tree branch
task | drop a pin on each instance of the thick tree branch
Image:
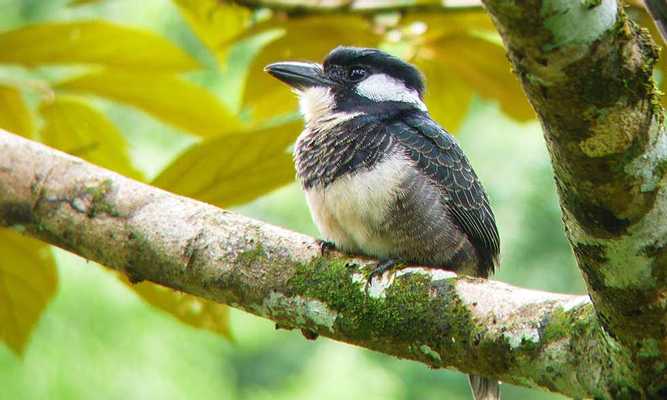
(587, 70)
(520, 336)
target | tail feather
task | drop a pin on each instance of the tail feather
(484, 388)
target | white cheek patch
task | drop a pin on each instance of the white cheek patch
(381, 87)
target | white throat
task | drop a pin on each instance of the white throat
(316, 105)
(381, 87)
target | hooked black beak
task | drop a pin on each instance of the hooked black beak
(299, 75)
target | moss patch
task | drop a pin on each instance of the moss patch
(414, 309)
(98, 203)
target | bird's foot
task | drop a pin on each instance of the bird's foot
(379, 272)
(325, 246)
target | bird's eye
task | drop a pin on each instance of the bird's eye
(356, 74)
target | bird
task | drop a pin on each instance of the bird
(381, 177)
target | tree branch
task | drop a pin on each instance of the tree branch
(525, 337)
(587, 70)
(359, 6)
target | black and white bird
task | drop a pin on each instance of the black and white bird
(381, 177)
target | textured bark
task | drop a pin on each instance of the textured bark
(587, 71)
(525, 337)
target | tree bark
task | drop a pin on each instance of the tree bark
(587, 71)
(521, 336)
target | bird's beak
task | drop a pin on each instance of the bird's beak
(299, 75)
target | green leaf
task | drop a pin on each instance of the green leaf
(235, 168)
(451, 108)
(169, 98)
(482, 65)
(15, 116)
(192, 310)
(28, 281)
(308, 38)
(75, 3)
(215, 23)
(76, 128)
(92, 42)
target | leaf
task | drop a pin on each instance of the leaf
(76, 128)
(444, 24)
(235, 168)
(28, 281)
(215, 23)
(92, 42)
(447, 97)
(482, 65)
(189, 309)
(15, 116)
(308, 38)
(75, 3)
(169, 98)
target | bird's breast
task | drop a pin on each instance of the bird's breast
(352, 210)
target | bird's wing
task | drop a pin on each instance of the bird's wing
(438, 155)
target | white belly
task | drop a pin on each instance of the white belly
(352, 210)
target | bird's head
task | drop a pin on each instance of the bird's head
(352, 80)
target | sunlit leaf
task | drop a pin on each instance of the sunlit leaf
(214, 22)
(15, 116)
(76, 128)
(28, 281)
(447, 97)
(169, 98)
(189, 309)
(92, 42)
(437, 25)
(235, 168)
(307, 38)
(482, 65)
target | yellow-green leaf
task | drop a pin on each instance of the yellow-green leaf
(15, 116)
(233, 169)
(167, 97)
(76, 128)
(443, 24)
(483, 66)
(192, 310)
(74, 3)
(92, 43)
(28, 281)
(447, 97)
(215, 23)
(307, 38)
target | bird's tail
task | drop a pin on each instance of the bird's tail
(484, 388)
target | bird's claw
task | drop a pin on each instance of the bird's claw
(379, 271)
(325, 246)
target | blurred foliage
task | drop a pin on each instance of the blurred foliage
(27, 283)
(174, 93)
(235, 168)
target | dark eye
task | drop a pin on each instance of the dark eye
(356, 74)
